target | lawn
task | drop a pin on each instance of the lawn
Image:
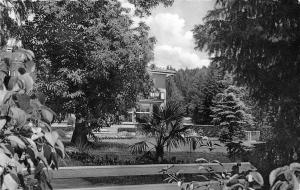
(116, 151)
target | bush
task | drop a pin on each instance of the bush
(129, 130)
(26, 138)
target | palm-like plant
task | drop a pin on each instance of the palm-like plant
(166, 127)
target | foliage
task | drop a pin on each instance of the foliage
(165, 125)
(92, 60)
(173, 93)
(234, 180)
(290, 178)
(212, 85)
(231, 113)
(189, 82)
(259, 42)
(27, 140)
(145, 6)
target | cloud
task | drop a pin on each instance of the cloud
(125, 4)
(177, 57)
(175, 45)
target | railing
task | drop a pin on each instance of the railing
(73, 177)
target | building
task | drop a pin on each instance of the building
(158, 96)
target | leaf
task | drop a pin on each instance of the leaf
(4, 160)
(27, 53)
(47, 153)
(19, 115)
(202, 160)
(32, 143)
(60, 149)
(43, 176)
(203, 176)
(54, 159)
(257, 178)
(2, 123)
(278, 184)
(9, 182)
(138, 147)
(3, 94)
(33, 153)
(37, 136)
(217, 144)
(7, 149)
(48, 137)
(12, 84)
(295, 167)
(217, 162)
(233, 179)
(47, 115)
(16, 141)
(275, 173)
(55, 136)
(18, 56)
(23, 102)
(27, 81)
(30, 66)
(237, 186)
(166, 168)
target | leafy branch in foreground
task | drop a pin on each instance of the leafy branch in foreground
(26, 140)
(210, 178)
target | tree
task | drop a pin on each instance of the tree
(166, 127)
(211, 86)
(92, 61)
(26, 138)
(259, 42)
(190, 82)
(173, 93)
(232, 115)
(143, 7)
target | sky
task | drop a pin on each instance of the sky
(172, 27)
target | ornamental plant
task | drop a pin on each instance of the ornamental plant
(215, 180)
(28, 146)
(285, 178)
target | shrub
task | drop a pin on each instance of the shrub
(26, 139)
(129, 130)
(234, 180)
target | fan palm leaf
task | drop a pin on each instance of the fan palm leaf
(139, 147)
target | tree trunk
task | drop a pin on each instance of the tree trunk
(159, 154)
(80, 134)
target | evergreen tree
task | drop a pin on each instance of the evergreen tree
(210, 87)
(173, 93)
(231, 113)
(259, 42)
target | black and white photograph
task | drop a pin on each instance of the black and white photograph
(149, 94)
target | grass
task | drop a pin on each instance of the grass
(111, 149)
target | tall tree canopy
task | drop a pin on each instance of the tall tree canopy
(190, 82)
(92, 62)
(173, 93)
(209, 87)
(259, 41)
